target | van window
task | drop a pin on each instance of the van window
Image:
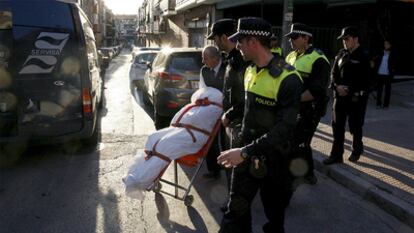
(57, 15)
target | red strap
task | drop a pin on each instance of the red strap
(198, 103)
(206, 102)
(155, 153)
(192, 159)
(192, 127)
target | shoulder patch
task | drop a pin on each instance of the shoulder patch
(275, 68)
(275, 71)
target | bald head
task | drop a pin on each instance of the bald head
(211, 56)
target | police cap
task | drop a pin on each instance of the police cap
(251, 26)
(299, 29)
(222, 26)
(349, 31)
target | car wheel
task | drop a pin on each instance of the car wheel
(85, 145)
(93, 140)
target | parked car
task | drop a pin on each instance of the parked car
(135, 50)
(103, 63)
(108, 52)
(50, 84)
(171, 80)
(139, 66)
(105, 57)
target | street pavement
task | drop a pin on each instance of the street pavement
(384, 175)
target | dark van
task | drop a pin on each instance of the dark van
(50, 87)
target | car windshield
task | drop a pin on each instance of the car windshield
(144, 58)
(186, 62)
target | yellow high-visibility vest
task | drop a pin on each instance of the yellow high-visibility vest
(304, 62)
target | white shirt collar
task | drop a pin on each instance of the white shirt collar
(217, 67)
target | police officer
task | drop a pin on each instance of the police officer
(274, 45)
(314, 68)
(350, 78)
(233, 101)
(272, 97)
(233, 91)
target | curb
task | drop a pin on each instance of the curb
(400, 209)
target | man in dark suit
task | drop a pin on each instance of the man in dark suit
(214, 68)
(211, 75)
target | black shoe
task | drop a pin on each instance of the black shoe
(331, 160)
(310, 179)
(212, 175)
(354, 157)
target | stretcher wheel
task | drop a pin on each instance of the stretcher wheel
(157, 187)
(188, 200)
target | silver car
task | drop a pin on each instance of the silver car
(139, 66)
(170, 81)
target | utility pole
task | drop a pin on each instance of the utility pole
(287, 21)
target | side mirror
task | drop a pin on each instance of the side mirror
(149, 65)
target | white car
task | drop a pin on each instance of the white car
(139, 66)
(136, 50)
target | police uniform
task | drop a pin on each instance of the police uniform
(233, 90)
(314, 68)
(351, 70)
(272, 95)
(233, 101)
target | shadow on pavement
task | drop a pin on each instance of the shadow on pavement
(56, 189)
(163, 217)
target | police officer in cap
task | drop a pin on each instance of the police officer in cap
(350, 79)
(272, 98)
(233, 102)
(314, 68)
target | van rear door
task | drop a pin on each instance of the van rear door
(44, 68)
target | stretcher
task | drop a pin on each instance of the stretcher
(192, 160)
